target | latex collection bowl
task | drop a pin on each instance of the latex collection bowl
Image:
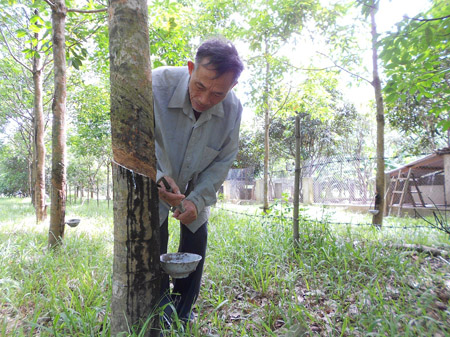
(73, 222)
(179, 265)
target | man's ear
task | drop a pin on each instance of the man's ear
(191, 67)
(234, 85)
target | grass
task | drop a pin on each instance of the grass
(341, 280)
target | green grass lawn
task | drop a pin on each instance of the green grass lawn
(341, 280)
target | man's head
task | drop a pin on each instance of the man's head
(215, 72)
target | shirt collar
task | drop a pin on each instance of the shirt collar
(180, 99)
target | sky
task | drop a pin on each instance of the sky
(390, 13)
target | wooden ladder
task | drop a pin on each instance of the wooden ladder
(406, 190)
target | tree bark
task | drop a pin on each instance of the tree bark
(58, 195)
(107, 182)
(136, 273)
(39, 146)
(379, 180)
(31, 168)
(98, 200)
(266, 137)
(297, 179)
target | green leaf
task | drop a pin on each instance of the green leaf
(35, 29)
(21, 33)
(445, 125)
(27, 51)
(76, 62)
(388, 90)
(36, 19)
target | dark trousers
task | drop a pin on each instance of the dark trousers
(185, 290)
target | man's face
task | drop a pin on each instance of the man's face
(205, 90)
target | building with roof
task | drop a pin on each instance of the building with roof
(420, 186)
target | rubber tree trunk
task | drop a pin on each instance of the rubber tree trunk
(31, 168)
(58, 181)
(107, 182)
(136, 273)
(98, 200)
(39, 146)
(379, 179)
(266, 136)
(297, 179)
(135, 292)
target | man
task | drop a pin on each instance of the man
(197, 120)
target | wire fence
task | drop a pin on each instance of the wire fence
(324, 180)
(289, 218)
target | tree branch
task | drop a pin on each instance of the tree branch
(46, 61)
(12, 35)
(51, 4)
(345, 70)
(282, 105)
(25, 140)
(306, 69)
(84, 38)
(366, 4)
(11, 53)
(428, 20)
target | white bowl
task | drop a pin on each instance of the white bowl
(179, 265)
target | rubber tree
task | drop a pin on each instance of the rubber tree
(58, 180)
(376, 83)
(28, 49)
(59, 175)
(38, 139)
(269, 27)
(136, 276)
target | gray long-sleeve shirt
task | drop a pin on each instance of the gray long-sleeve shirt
(195, 152)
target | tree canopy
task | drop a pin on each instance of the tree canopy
(416, 62)
(270, 36)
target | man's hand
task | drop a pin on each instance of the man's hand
(189, 215)
(172, 198)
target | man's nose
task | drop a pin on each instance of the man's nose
(204, 98)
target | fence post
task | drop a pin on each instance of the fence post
(297, 178)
